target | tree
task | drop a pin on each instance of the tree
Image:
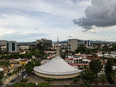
(113, 75)
(95, 66)
(24, 80)
(29, 67)
(37, 63)
(43, 84)
(75, 80)
(103, 79)
(30, 85)
(88, 75)
(48, 80)
(86, 83)
(1, 77)
(108, 70)
(19, 85)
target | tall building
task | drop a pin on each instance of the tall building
(11, 46)
(72, 45)
(87, 43)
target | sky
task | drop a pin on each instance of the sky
(29, 20)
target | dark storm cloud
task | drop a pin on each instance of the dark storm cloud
(102, 13)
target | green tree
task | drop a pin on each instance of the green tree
(113, 75)
(103, 79)
(19, 85)
(24, 80)
(95, 66)
(48, 80)
(88, 75)
(43, 84)
(29, 69)
(30, 65)
(37, 63)
(1, 77)
(30, 85)
(75, 80)
(86, 83)
(108, 70)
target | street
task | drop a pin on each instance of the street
(13, 81)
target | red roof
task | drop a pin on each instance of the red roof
(79, 64)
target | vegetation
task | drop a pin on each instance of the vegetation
(103, 79)
(86, 83)
(1, 77)
(83, 50)
(75, 80)
(30, 65)
(30, 85)
(109, 70)
(88, 75)
(19, 85)
(48, 80)
(43, 85)
(24, 80)
(95, 66)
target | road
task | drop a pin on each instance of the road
(18, 79)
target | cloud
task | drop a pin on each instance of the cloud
(102, 13)
(21, 19)
(93, 31)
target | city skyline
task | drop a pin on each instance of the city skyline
(29, 20)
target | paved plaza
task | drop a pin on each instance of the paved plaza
(36, 79)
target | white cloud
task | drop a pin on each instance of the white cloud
(35, 19)
(93, 31)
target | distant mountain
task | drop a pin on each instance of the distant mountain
(92, 41)
(65, 41)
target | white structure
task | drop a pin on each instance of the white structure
(1, 69)
(72, 44)
(114, 67)
(57, 68)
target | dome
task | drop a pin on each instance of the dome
(57, 66)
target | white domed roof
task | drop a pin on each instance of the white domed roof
(57, 66)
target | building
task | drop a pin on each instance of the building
(44, 44)
(18, 62)
(11, 46)
(3, 45)
(87, 43)
(79, 62)
(44, 41)
(57, 68)
(19, 48)
(72, 45)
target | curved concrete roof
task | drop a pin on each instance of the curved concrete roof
(57, 66)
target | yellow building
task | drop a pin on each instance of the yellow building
(23, 62)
